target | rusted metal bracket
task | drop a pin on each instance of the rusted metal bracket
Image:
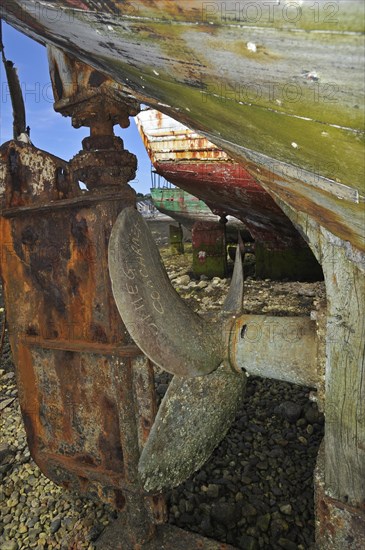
(86, 391)
(80, 376)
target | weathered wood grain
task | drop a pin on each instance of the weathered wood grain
(344, 271)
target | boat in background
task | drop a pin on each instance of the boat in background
(187, 209)
(206, 176)
(177, 203)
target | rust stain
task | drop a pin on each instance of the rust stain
(65, 330)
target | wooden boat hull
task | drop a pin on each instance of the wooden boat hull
(254, 105)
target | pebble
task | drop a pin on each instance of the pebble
(249, 510)
(55, 525)
(286, 509)
(263, 522)
(7, 518)
(9, 545)
(287, 544)
(289, 410)
(8, 376)
(182, 281)
(202, 284)
(212, 491)
(312, 415)
(225, 513)
(278, 526)
(248, 543)
(95, 532)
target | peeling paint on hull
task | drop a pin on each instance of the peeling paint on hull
(196, 165)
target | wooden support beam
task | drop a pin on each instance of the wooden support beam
(344, 443)
(345, 375)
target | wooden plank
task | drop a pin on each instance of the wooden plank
(345, 376)
(344, 271)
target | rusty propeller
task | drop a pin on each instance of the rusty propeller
(201, 401)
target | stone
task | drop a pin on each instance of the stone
(287, 544)
(55, 525)
(9, 376)
(290, 411)
(246, 480)
(33, 534)
(286, 509)
(248, 543)
(161, 389)
(263, 522)
(226, 513)
(5, 452)
(69, 523)
(183, 280)
(276, 453)
(248, 510)
(312, 415)
(212, 490)
(206, 527)
(278, 526)
(95, 532)
(7, 518)
(182, 506)
(202, 284)
(9, 545)
(6, 402)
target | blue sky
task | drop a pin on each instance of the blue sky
(49, 130)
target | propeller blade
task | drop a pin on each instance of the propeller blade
(159, 321)
(193, 418)
(234, 299)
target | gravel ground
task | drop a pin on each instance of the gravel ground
(254, 492)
